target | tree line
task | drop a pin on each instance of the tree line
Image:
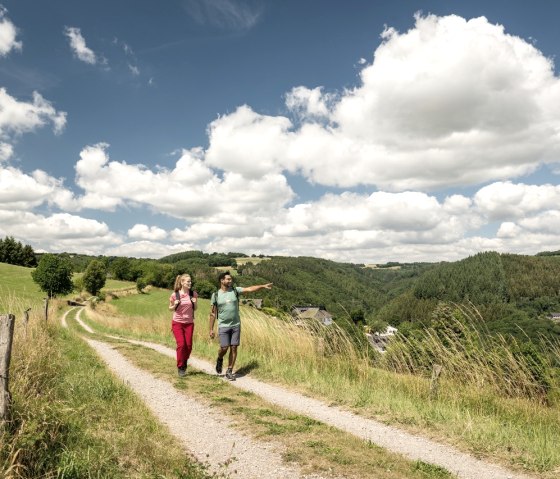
(14, 252)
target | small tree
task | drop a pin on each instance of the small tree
(141, 284)
(94, 277)
(53, 275)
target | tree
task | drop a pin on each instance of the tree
(358, 316)
(53, 275)
(141, 284)
(121, 268)
(94, 277)
(28, 257)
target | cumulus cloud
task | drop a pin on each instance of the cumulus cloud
(144, 232)
(309, 103)
(506, 200)
(58, 232)
(79, 47)
(191, 190)
(8, 34)
(451, 102)
(248, 143)
(21, 191)
(6, 151)
(18, 117)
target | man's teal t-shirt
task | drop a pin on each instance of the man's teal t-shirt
(228, 309)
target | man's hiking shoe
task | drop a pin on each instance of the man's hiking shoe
(219, 364)
(230, 375)
(182, 372)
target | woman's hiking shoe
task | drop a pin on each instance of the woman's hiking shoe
(182, 372)
(219, 364)
(230, 375)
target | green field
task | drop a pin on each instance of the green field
(17, 290)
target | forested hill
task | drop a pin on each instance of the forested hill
(343, 289)
(515, 294)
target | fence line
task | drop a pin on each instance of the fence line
(6, 337)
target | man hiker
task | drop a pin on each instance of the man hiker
(225, 307)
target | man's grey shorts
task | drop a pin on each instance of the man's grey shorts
(229, 336)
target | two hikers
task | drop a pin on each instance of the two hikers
(225, 308)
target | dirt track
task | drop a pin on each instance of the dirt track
(262, 460)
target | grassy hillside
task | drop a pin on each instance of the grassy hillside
(17, 290)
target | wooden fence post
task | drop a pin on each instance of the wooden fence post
(46, 308)
(26, 319)
(6, 336)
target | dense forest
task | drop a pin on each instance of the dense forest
(514, 294)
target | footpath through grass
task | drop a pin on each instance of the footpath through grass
(313, 446)
(519, 433)
(72, 419)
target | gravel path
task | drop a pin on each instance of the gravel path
(393, 439)
(208, 435)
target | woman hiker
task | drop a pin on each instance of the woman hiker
(183, 304)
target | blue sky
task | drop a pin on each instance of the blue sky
(356, 131)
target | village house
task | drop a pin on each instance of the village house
(301, 313)
(555, 317)
(379, 341)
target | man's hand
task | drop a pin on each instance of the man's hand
(212, 334)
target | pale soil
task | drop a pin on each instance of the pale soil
(263, 459)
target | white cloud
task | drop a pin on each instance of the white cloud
(8, 34)
(144, 232)
(248, 143)
(79, 47)
(20, 191)
(6, 151)
(17, 117)
(191, 190)
(58, 232)
(134, 69)
(449, 103)
(309, 103)
(507, 201)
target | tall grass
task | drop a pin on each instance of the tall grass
(471, 357)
